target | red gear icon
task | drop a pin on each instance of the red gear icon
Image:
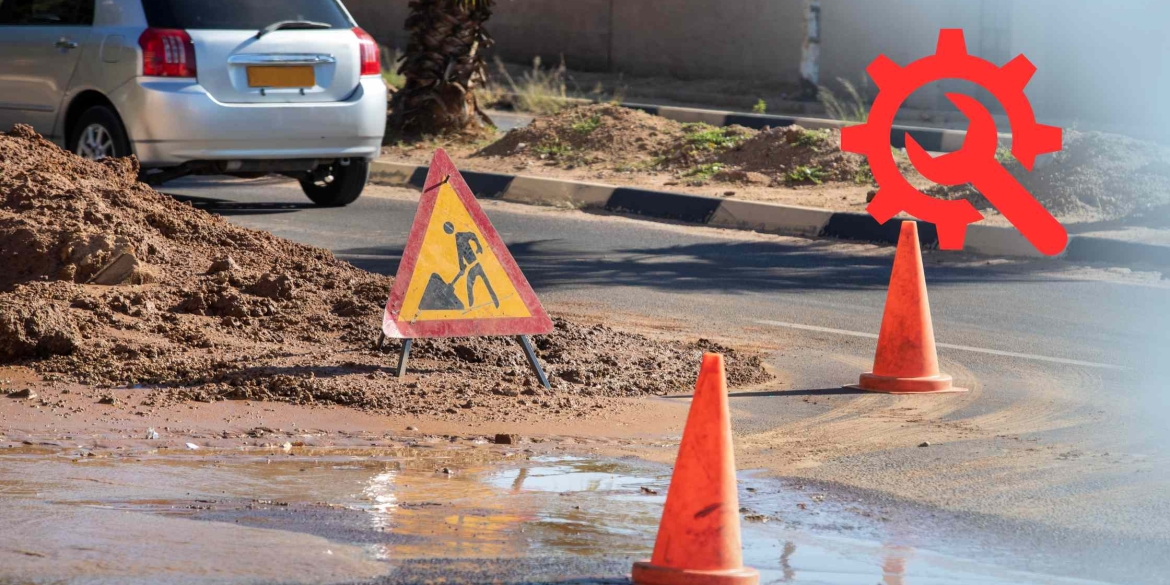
(1029, 140)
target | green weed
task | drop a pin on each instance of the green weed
(587, 125)
(703, 172)
(553, 149)
(806, 174)
(812, 138)
(707, 137)
(864, 175)
(761, 107)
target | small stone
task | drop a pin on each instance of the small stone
(125, 269)
(507, 439)
(108, 399)
(192, 446)
(26, 393)
(869, 196)
(412, 428)
(225, 264)
(649, 491)
(447, 471)
(924, 444)
(151, 435)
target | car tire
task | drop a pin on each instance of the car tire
(340, 185)
(99, 134)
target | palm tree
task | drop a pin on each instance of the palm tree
(444, 62)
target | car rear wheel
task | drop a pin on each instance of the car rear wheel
(99, 134)
(337, 184)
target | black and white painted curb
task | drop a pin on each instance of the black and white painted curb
(760, 216)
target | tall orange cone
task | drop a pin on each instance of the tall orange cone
(698, 538)
(906, 360)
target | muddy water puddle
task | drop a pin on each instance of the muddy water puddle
(412, 514)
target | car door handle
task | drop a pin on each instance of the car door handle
(66, 44)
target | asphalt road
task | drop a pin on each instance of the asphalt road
(1084, 344)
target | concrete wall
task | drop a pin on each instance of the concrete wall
(1104, 64)
(692, 39)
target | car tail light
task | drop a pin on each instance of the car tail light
(371, 56)
(167, 52)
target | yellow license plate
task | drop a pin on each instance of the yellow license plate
(281, 76)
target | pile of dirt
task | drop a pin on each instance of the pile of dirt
(605, 134)
(1095, 177)
(109, 283)
(621, 139)
(795, 155)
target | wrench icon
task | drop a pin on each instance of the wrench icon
(975, 163)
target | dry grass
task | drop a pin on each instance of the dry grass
(853, 107)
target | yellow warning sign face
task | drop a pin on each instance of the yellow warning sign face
(456, 278)
(457, 275)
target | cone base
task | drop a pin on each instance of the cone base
(940, 384)
(648, 574)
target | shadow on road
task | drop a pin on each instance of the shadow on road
(225, 207)
(726, 267)
(782, 393)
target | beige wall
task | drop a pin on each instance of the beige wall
(1101, 64)
(746, 39)
(1104, 64)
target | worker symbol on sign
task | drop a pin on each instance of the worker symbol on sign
(452, 238)
(439, 294)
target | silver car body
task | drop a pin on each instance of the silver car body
(48, 72)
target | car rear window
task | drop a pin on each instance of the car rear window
(47, 12)
(240, 14)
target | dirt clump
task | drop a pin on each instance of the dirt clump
(233, 313)
(1095, 177)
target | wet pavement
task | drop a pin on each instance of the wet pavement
(428, 512)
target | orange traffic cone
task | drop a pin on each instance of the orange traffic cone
(906, 360)
(698, 539)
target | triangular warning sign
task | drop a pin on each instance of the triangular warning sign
(456, 278)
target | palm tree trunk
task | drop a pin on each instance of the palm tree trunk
(444, 62)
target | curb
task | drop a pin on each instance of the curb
(773, 218)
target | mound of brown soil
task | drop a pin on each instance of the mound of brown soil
(1097, 176)
(795, 155)
(110, 283)
(602, 134)
(620, 139)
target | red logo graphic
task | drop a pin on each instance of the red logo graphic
(974, 162)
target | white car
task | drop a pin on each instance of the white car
(237, 87)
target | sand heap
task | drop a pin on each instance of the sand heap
(1097, 176)
(110, 283)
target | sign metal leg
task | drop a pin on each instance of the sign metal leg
(533, 360)
(406, 343)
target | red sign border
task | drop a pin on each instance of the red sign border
(536, 324)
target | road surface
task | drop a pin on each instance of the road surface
(1060, 444)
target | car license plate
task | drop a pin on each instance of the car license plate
(281, 76)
